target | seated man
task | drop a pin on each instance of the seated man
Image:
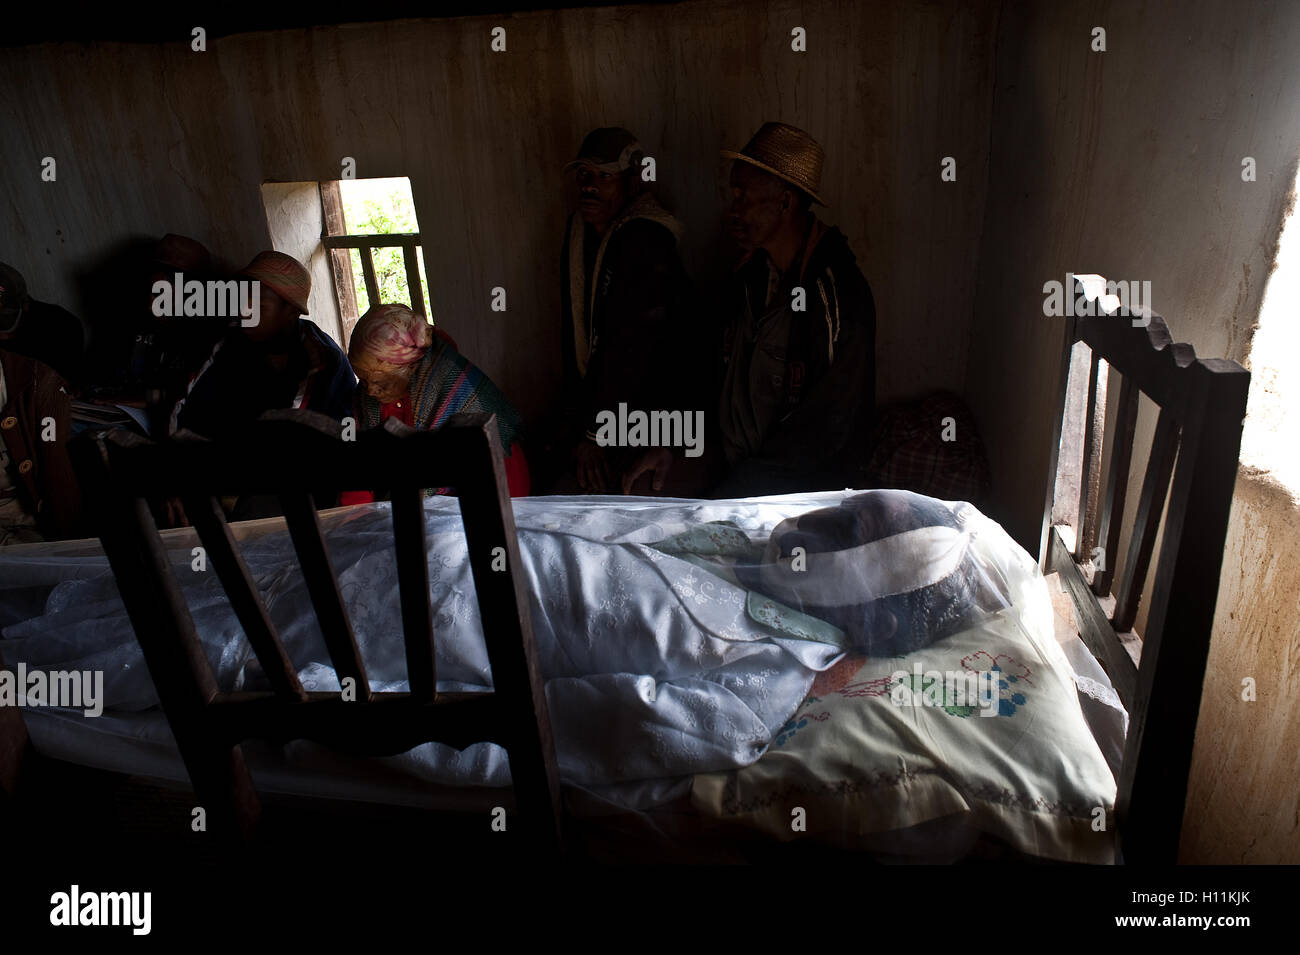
(39, 499)
(798, 383)
(284, 361)
(144, 346)
(623, 293)
(411, 373)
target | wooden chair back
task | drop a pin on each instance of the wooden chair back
(288, 454)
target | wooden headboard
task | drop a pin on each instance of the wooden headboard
(1201, 402)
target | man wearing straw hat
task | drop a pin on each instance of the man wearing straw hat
(799, 373)
(281, 361)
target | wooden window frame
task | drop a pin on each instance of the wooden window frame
(340, 245)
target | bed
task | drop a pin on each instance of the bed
(775, 740)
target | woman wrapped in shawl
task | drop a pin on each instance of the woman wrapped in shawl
(410, 372)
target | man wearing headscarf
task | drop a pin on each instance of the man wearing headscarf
(283, 361)
(412, 372)
(623, 300)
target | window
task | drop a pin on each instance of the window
(373, 242)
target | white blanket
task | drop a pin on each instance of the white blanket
(653, 668)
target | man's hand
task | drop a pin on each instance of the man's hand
(658, 461)
(592, 467)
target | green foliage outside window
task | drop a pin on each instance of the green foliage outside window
(393, 213)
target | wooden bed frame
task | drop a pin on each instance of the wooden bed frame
(1202, 402)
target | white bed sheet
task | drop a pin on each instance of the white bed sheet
(140, 743)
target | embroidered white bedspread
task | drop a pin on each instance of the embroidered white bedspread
(654, 670)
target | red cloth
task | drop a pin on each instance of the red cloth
(401, 410)
(518, 479)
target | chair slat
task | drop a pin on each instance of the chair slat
(413, 584)
(1089, 475)
(507, 627)
(323, 587)
(209, 520)
(1121, 459)
(1155, 486)
(165, 630)
(179, 667)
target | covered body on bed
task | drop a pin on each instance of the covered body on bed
(665, 682)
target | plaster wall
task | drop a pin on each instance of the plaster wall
(156, 138)
(1128, 163)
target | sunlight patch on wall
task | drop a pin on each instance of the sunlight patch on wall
(1270, 441)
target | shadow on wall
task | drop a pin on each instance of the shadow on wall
(1012, 375)
(113, 293)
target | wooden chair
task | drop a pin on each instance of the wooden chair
(287, 453)
(1202, 402)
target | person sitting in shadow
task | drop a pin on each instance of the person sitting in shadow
(281, 361)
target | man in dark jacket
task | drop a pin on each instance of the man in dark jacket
(623, 295)
(799, 372)
(283, 361)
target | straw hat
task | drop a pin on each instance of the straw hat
(282, 274)
(788, 153)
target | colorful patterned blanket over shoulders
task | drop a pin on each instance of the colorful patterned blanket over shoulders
(447, 383)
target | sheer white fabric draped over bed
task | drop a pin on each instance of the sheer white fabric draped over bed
(660, 664)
